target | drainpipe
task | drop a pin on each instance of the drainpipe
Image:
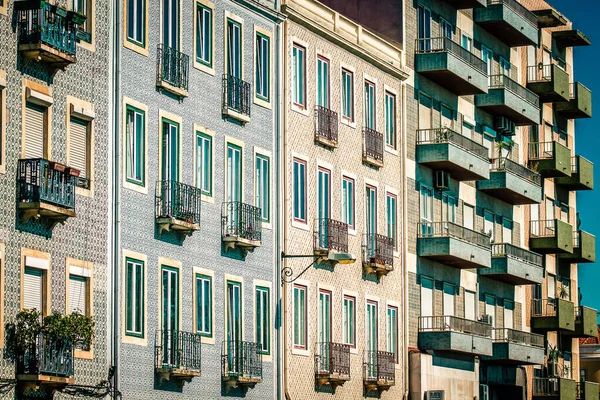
(405, 248)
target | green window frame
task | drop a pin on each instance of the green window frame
(299, 76)
(234, 173)
(136, 22)
(392, 331)
(371, 322)
(323, 82)
(234, 48)
(134, 298)
(348, 214)
(170, 159)
(391, 201)
(170, 20)
(234, 311)
(204, 35)
(204, 173)
(135, 146)
(369, 116)
(263, 320)
(204, 305)
(170, 306)
(263, 66)
(347, 95)
(299, 191)
(262, 189)
(390, 120)
(349, 321)
(300, 320)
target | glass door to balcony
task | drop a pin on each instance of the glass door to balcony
(488, 224)
(170, 314)
(426, 210)
(371, 330)
(487, 56)
(509, 307)
(424, 29)
(371, 222)
(171, 23)
(234, 52)
(323, 82)
(170, 169)
(426, 303)
(323, 206)
(490, 310)
(324, 329)
(448, 301)
(234, 328)
(233, 188)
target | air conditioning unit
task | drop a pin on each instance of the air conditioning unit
(484, 392)
(435, 395)
(486, 319)
(504, 126)
(442, 180)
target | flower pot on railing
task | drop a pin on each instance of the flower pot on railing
(72, 171)
(57, 166)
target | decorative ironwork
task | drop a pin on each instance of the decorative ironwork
(178, 350)
(241, 220)
(178, 200)
(378, 249)
(241, 359)
(172, 67)
(379, 366)
(506, 164)
(450, 229)
(444, 323)
(446, 44)
(507, 249)
(521, 337)
(501, 81)
(47, 356)
(372, 144)
(332, 358)
(236, 95)
(331, 235)
(326, 124)
(447, 135)
(40, 180)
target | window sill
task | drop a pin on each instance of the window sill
(267, 225)
(262, 103)
(301, 110)
(84, 354)
(207, 340)
(300, 225)
(348, 123)
(204, 68)
(134, 187)
(352, 232)
(135, 340)
(79, 191)
(143, 50)
(208, 199)
(391, 150)
(300, 352)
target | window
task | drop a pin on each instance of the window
(262, 190)
(136, 22)
(448, 299)
(204, 305)
(446, 29)
(234, 312)
(424, 28)
(369, 105)
(470, 305)
(504, 67)
(392, 331)
(263, 336)
(348, 201)
(468, 216)
(234, 173)
(299, 190)
(488, 224)
(349, 321)
(263, 66)
(204, 163)
(78, 294)
(467, 130)
(80, 151)
(134, 297)
(136, 139)
(426, 208)
(371, 325)
(204, 35)
(170, 298)
(170, 150)
(449, 205)
(2, 122)
(299, 76)
(427, 301)
(390, 120)
(323, 193)
(487, 56)
(466, 42)
(324, 316)
(391, 217)
(507, 231)
(82, 7)
(300, 320)
(234, 48)
(347, 95)
(323, 82)
(371, 211)
(36, 132)
(33, 289)
(509, 307)
(170, 23)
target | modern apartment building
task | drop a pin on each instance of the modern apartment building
(196, 196)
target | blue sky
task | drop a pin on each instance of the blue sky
(584, 14)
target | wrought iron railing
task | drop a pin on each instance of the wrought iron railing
(518, 8)
(331, 235)
(236, 95)
(332, 358)
(542, 228)
(241, 220)
(372, 144)
(544, 307)
(178, 350)
(326, 124)
(379, 366)
(47, 356)
(443, 323)
(445, 44)
(540, 73)
(520, 337)
(378, 249)
(447, 135)
(40, 180)
(508, 249)
(450, 229)
(172, 67)
(506, 164)
(541, 150)
(178, 200)
(545, 386)
(241, 359)
(501, 81)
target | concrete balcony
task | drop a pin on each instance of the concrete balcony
(453, 245)
(552, 315)
(584, 248)
(512, 182)
(466, 4)
(550, 236)
(514, 265)
(550, 159)
(509, 21)
(453, 334)
(549, 82)
(450, 65)
(507, 98)
(579, 104)
(582, 175)
(512, 347)
(554, 389)
(549, 18)
(445, 149)
(586, 391)
(570, 38)
(585, 323)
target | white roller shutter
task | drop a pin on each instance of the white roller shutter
(32, 290)
(78, 146)
(77, 294)
(34, 131)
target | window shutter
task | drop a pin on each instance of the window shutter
(34, 131)
(77, 294)
(32, 289)
(78, 146)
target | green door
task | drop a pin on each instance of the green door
(323, 206)
(371, 331)
(325, 330)
(170, 169)
(170, 315)
(234, 190)
(371, 222)
(234, 328)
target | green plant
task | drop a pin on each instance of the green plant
(82, 328)
(553, 354)
(563, 291)
(27, 327)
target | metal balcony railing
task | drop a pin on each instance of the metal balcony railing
(543, 307)
(576, 239)
(379, 366)
(332, 358)
(506, 164)
(508, 249)
(178, 350)
(47, 356)
(240, 358)
(236, 95)
(501, 81)
(450, 229)
(520, 337)
(326, 124)
(539, 73)
(378, 249)
(517, 8)
(541, 150)
(178, 200)
(172, 67)
(545, 386)
(241, 220)
(542, 228)
(446, 44)
(447, 135)
(574, 164)
(372, 144)
(40, 180)
(331, 235)
(444, 323)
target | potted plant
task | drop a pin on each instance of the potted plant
(27, 328)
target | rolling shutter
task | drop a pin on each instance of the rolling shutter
(34, 131)
(78, 146)
(77, 294)
(32, 290)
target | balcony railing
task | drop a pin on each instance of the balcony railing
(241, 220)
(520, 337)
(580, 390)
(541, 150)
(236, 95)
(574, 165)
(449, 323)
(379, 249)
(544, 307)
(178, 350)
(452, 230)
(447, 135)
(380, 366)
(576, 239)
(517, 8)
(539, 73)
(331, 235)
(372, 144)
(507, 249)
(241, 359)
(501, 81)
(506, 164)
(542, 228)
(332, 358)
(47, 356)
(326, 125)
(179, 201)
(40, 180)
(172, 67)
(445, 44)
(545, 386)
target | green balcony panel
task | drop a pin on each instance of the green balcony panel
(570, 38)
(454, 334)
(550, 236)
(465, 4)
(550, 315)
(550, 159)
(579, 104)
(582, 175)
(549, 18)
(508, 98)
(585, 323)
(587, 391)
(584, 248)
(549, 82)
(451, 66)
(554, 389)
(512, 182)
(509, 21)
(512, 347)
(514, 265)
(445, 149)
(453, 245)
(504, 375)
